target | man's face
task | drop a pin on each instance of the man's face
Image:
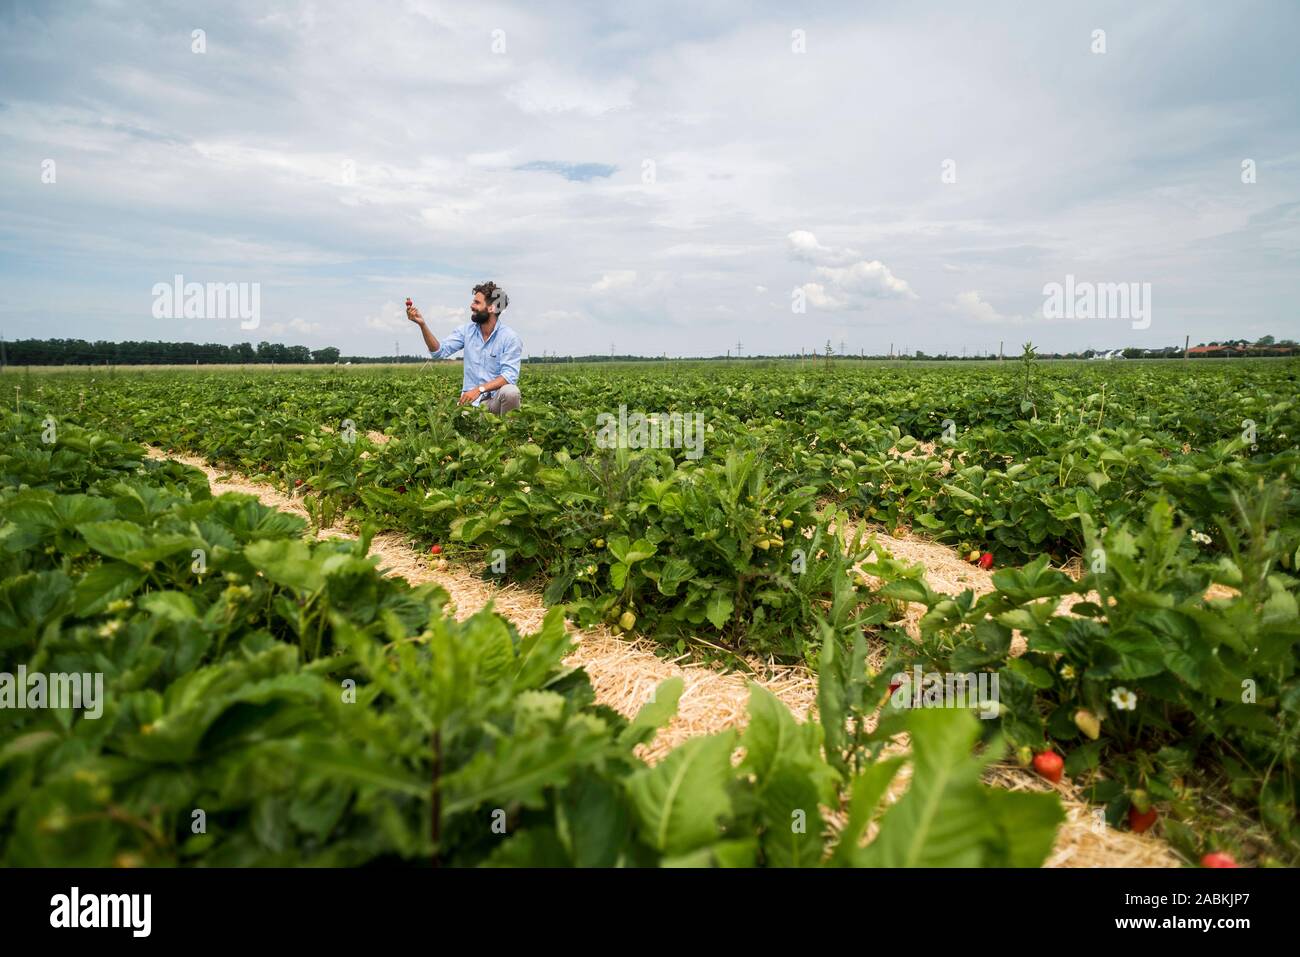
(478, 309)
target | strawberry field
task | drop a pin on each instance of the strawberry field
(1142, 625)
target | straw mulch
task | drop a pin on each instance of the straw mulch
(624, 672)
(1084, 841)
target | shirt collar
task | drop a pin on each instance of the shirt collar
(479, 335)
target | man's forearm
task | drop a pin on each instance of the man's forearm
(500, 382)
(429, 339)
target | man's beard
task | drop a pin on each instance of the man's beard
(479, 317)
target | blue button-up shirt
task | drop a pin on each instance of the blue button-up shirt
(484, 361)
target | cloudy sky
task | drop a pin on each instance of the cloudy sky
(669, 177)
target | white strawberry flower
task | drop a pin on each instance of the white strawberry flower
(1123, 699)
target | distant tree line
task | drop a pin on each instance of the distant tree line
(47, 352)
(71, 352)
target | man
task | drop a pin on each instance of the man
(492, 350)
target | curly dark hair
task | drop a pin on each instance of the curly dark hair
(494, 296)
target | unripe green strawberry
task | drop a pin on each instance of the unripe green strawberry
(1088, 723)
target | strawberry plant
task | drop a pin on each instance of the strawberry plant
(282, 703)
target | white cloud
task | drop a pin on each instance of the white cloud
(549, 91)
(392, 316)
(804, 246)
(297, 326)
(619, 279)
(971, 306)
(867, 280)
(558, 320)
(497, 160)
(844, 280)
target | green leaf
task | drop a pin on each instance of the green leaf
(719, 608)
(340, 762)
(865, 792)
(654, 714)
(104, 584)
(832, 700)
(907, 589)
(630, 554)
(593, 821)
(680, 803)
(287, 562)
(946, 819)
(171, 606)
(674, 573)
(542, 755)
(1036, 676)
(116, 539)
(790, 778)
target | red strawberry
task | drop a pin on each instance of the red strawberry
(1218, 859)
(986, 560)
(1049, 764)
(408, 301)
(435, 549)
(1140, 823)
(297, 482)
(401, 489)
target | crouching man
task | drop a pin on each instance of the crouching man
(492, 350)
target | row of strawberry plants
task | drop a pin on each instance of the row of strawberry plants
(1173, 685)
(609, 532)
(271, 699)
(536, 488)
(999, 478)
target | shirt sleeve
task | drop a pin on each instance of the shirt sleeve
(451, 345)
(510, 356)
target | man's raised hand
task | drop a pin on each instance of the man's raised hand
(413, 314)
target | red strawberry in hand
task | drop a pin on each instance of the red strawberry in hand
(408, 302)
(986, 560)
(1049, 764)
(1218, 859)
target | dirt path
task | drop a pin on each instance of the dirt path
(624, 672)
